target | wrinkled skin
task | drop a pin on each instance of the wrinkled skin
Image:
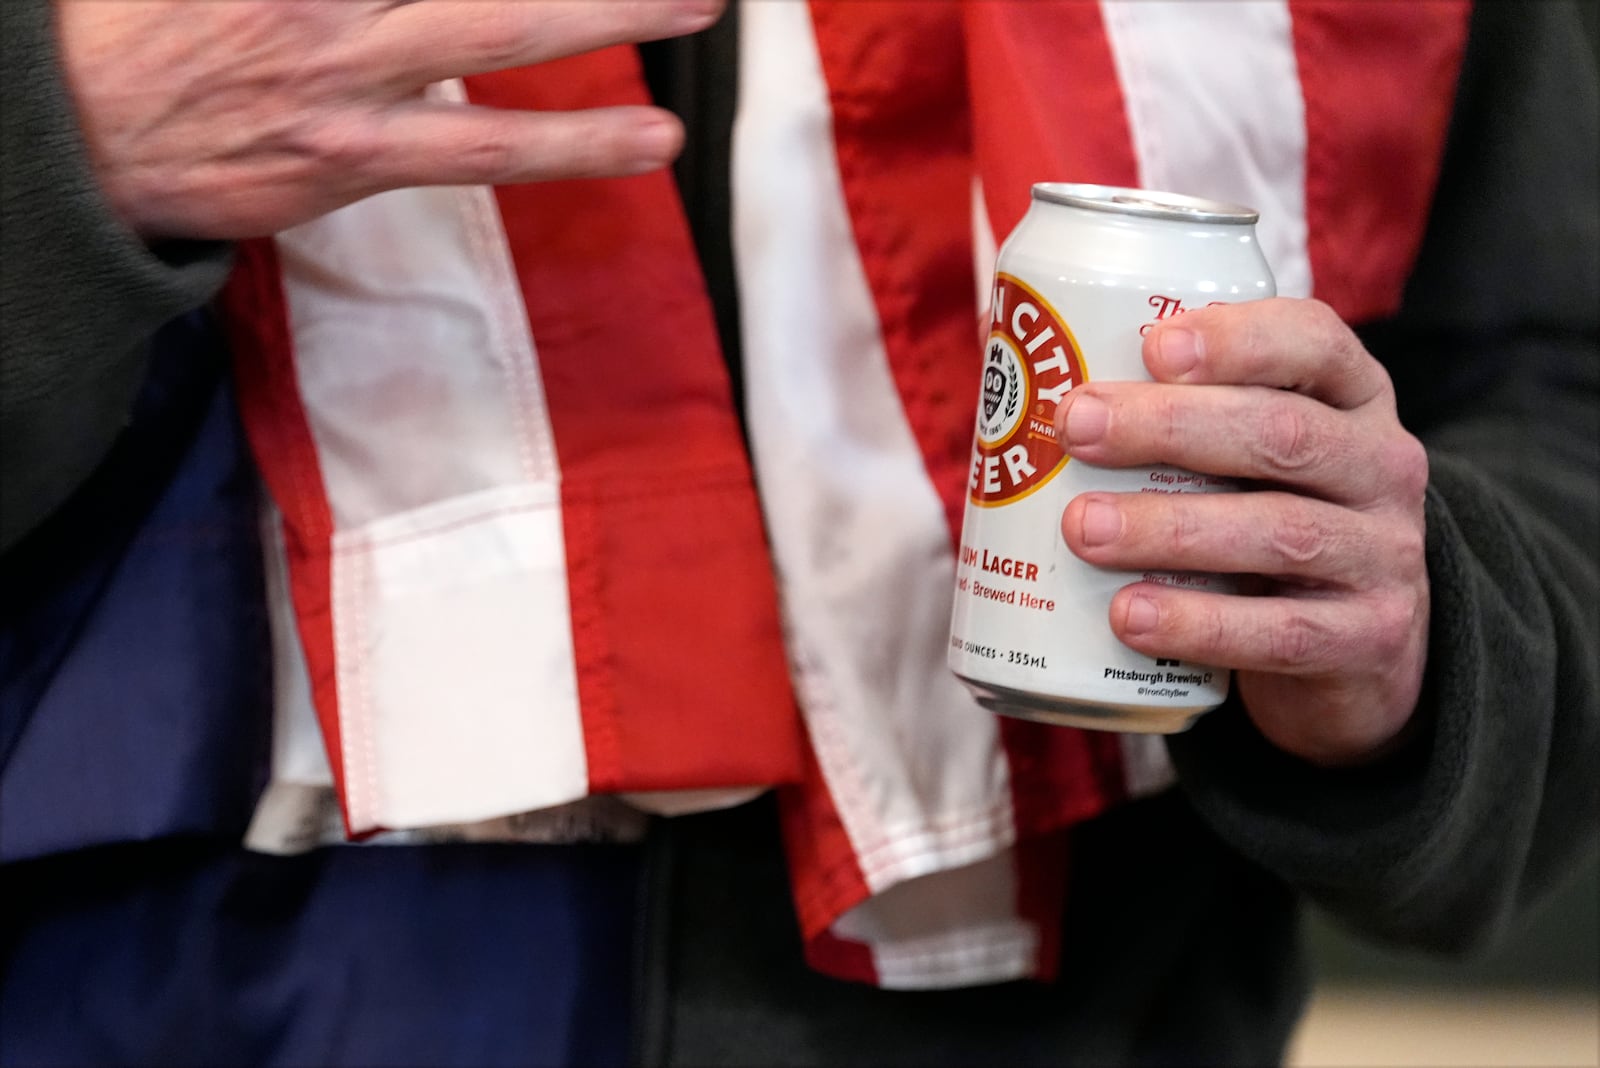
(238, 118)
(1329, 636)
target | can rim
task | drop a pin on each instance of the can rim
(1144, 203)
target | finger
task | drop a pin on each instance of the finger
(452, 144)
(1282, 535)
(1300, 345)
(432, 40)
(1302, 636)
(1249, 432)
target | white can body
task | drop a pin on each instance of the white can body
(1081, 280)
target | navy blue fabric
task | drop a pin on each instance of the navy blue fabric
(134, 658)
(183, 953)
(134, 740)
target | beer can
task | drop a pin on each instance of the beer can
(1079, 283)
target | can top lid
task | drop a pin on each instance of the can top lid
(1145, 203)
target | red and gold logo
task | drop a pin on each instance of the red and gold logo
(1030, 362)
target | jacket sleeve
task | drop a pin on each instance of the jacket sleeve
(80, 294)
(1496, 360)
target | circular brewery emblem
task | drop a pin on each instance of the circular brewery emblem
(1005, 383)
(1030, 362)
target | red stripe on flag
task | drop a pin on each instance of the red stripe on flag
(681, 673)
(841, 958)
(1379, 84)
(1047, 104)
(825, 872)
(257, 321)
(905, 160)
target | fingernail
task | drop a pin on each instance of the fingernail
(698, 14)
(1086, 419)
(657, 143)
(1180, 350)
(1142, 615)
(1102, 523)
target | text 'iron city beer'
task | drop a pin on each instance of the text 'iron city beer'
(1080, 281)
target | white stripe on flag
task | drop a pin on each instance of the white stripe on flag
(456, 680)
(950, 929)
(1209, 123)
(915, 768)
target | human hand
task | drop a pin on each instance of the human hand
(238, 118)
(1330, 651)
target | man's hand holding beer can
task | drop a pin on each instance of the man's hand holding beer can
(1328, 635)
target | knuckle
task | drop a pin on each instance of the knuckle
(488, 157)
(1327, 331)
(1287, 442)
(1217, 637)
(1346, 359)
(1243, 334)
(1405, 459)
(1391, 624)
(1183, 532)
(1385, 398)
(340, 146)
(1297, 643)
(1409, 549)
(1296, 540)
(1161, 421)
(1321, 317)
(500, 40)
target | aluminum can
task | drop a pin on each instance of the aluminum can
(1078, 284)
